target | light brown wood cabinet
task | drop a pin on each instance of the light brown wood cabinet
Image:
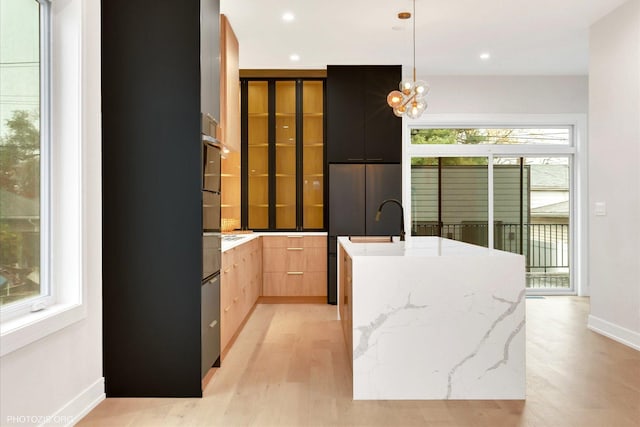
(240, 287)
(230, 126)
(229, 86)
(344, 300)
(294, 265)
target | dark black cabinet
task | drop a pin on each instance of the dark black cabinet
(210, 326)
(345, 114)
(347, 199)
(152, 98)
(355, 193)
(361, 127)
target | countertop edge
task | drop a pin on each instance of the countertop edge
(397, 249)
(225, 246)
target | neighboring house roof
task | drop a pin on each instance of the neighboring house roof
(549, 177)
(15, 206)
(554, 209)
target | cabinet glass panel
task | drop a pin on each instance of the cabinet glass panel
(258, 155)
(286, 154)
(313, 154)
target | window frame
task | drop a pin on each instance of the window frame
(576, 151)
(74, 205)
(46, 296)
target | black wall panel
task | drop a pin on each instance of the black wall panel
(151, 166)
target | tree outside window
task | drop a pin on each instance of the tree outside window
(20, 98)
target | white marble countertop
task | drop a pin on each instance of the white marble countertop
(433, 318)
(419, 246)
(230, 241)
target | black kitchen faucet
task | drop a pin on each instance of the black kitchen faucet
(397, 202)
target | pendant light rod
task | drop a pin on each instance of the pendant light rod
(413, 21)
(409, 100)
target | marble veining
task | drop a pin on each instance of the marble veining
(367, 330)
(436, 319)
(512, 307)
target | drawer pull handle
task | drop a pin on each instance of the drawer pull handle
(227, 309)
(227, 270)
(295, 249)
(213, 324)
(295, 273)
(295, 237)
(214, 280)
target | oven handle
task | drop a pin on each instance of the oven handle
(210, 140)
(211, 191)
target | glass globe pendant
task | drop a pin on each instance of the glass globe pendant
(407, 101)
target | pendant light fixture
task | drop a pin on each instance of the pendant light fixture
(409, 100)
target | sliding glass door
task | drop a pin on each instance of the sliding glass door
(517, 201)
(451, 198)
(539, 228)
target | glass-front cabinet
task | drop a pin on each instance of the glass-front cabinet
(283, 128)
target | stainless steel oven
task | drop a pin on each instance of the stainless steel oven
(210, 200)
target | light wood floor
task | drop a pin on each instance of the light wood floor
(289, 367)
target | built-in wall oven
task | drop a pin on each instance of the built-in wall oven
(210, 291)
(210, 204)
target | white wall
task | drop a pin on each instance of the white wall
(507, 94)
(61, 374)
(614, 178)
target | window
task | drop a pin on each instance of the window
(69, 130)
(482, 136)
(24, 141)
(513, 188)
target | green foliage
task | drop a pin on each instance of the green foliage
(20, 155)
(461, 136)
(457, 136)
(9, 244)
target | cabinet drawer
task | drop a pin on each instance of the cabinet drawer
(295, 283)
(294, 259)
(294, 241)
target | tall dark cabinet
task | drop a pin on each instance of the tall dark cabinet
(364, 153)
(154, 87)
(360, 127)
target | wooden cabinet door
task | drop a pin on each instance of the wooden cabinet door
(294, 266)
(227, 292)
(345, 114)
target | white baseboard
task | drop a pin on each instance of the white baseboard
(71, 413)
(615, 332)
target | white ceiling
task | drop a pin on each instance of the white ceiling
(524, 37)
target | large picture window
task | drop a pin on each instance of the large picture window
(24, 137)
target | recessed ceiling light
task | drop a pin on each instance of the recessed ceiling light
(288, 17)
(485, 56)
(294, 57)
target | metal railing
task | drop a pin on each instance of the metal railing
(545, 246)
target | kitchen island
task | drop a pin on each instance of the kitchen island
(433, 318)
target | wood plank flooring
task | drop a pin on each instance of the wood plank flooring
(289, 367)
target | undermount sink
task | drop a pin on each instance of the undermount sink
(371, 239)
